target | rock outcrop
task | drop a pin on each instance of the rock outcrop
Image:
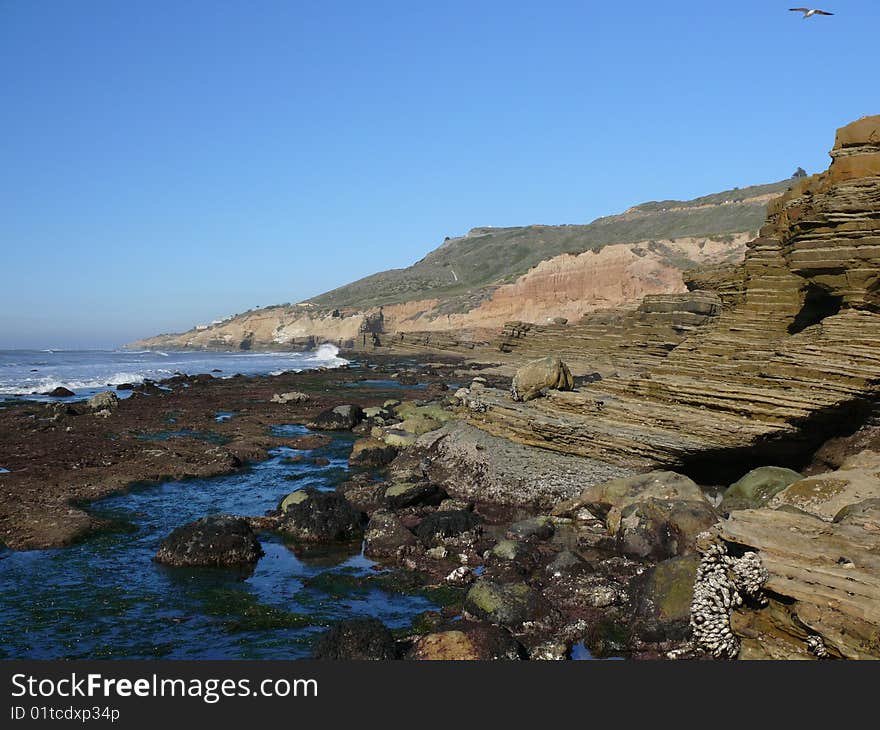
(772, 376)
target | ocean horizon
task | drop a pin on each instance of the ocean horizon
(34, 373)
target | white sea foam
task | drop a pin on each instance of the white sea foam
(85, 372)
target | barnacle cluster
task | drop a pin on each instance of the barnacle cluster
(817, 647)
(720, 585)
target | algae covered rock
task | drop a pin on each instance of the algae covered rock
(293, 498)
(371, 452)
(757, 487)
(357, 638)
(291, 397)
(540, 527)
(316, 516)
(539, 375)
(104, 401)
(214, 541)
(507, 604)
(664, 601)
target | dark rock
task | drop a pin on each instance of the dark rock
(446, 524)
(370, 452)
(125, 386)
(385, 535)
(364, 495)
(507, 604)
(357, 638)
(565, 562)
(60, 392)
(218, 540)
(410, 494)
(317, 516)
(341, 418)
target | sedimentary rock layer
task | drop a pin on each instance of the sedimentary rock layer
(799, 348)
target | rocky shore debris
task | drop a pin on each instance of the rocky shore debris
(214, 541)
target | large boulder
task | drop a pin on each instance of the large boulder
(507, 604)
(357, 638)
(317, 516)
(660, 529)
(539, 375)
(825, 495)
(218, 541)
(601, 499)
(340, 418)
(757, 487)
(386, 535)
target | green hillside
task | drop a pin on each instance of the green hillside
(463, 270)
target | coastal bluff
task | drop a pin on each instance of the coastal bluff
(789, 360)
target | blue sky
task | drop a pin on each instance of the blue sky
(166, 163)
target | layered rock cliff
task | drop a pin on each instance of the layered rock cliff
(792, 359)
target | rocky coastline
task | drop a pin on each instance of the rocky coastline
(699, 479)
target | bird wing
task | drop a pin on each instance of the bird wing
(822, 12)
(799, 10)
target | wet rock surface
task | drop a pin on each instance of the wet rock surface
(216, 541)
(356, 639)
(312, 515)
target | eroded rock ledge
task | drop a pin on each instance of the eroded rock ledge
(788, 363)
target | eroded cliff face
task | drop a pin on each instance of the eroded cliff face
(791, 362)
(568, 286)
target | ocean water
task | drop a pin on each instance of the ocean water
(86, 372)
(104, 597)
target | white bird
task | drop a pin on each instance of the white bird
(808, 12)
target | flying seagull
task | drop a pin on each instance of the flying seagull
(808, 12)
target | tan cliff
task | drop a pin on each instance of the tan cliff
(568, 286)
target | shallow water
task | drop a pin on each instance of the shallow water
(106, 598)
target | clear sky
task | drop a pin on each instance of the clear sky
(166, 163)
